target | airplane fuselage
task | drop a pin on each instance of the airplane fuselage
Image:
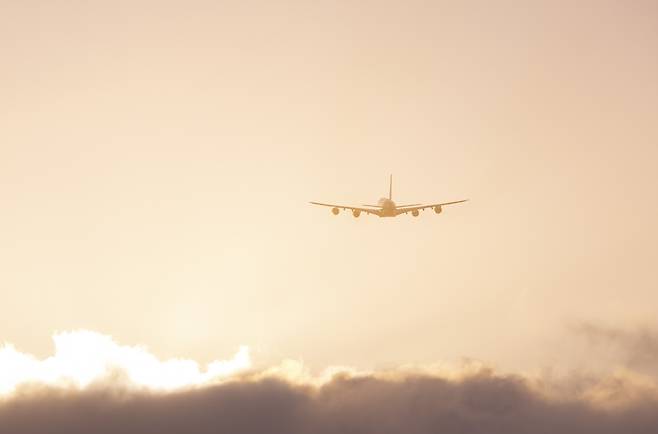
(387, 207)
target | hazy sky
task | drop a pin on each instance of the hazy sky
(157, 159)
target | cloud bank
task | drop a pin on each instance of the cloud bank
(287, 399)
(479, 403)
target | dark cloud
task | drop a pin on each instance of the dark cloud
(480, 402)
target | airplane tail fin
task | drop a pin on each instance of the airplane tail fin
(390, 187)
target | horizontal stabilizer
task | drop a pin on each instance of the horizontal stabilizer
(411, 204)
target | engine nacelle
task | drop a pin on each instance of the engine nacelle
(437, 209)
(335, 211)
(415, 213)
(356, 212)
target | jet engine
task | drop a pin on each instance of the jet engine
(437, 209)
(414, 213)
(356, 212)
(335, 211)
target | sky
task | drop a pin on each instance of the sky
(157, 160)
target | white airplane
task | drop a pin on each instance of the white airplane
(387, 208)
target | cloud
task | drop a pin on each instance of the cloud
(636, 348)
(288, 399)
(85, 357)
(478, 403)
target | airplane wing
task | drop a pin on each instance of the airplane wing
(352, 208)
(402, 210)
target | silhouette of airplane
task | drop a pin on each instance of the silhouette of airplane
(387, 208)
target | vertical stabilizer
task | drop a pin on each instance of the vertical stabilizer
(390, 187)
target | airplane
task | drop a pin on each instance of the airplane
(387, 208)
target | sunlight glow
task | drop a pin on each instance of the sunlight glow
(83, 358)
